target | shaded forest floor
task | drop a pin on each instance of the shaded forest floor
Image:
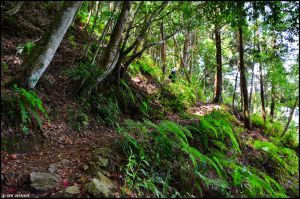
(28, 153)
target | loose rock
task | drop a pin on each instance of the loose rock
(52, 168)
(65, 162)
(72, 190)
(110, 184)
(98, 188)
(43, 181)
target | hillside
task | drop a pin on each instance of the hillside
(124, 109)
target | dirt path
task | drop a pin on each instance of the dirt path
(16, 168)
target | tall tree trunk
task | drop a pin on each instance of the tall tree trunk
(183, 64)
(163, 49)
(272, 106)
(262, 94)
(235, 85)
(243, 80)
(218, 86)
(104, 32)
(38, 61)
(252, 84)
(290, 117)
(204, 79)
(191, 61)
(241, 93)
(93, 28)
(111, 54)
(186, 48)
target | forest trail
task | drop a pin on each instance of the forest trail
(144, 124)
(74, 148)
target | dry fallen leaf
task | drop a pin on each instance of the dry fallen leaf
(13, 156)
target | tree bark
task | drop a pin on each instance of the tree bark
(183, 64)
(218, 86)
(100, 40)
(163, 49)
(38, 61)
(262, 94)
(272, 106)
(233, 98)
(111, 53)
(252, 84)
(290, 117)
(186, 47)
(93, 28)
(243, 80)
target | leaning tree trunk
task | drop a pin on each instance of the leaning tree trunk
(41, 56)
(243, 80)
(163, 49)
(111, 54)
(218, 85)
(290, 117)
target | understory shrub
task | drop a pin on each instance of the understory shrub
(178, 96)
(106, 109)
(145, 65)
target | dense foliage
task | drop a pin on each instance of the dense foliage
(200, 97)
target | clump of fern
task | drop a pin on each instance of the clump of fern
(30, 107)
(273, 129)
(216, 130)
(145, 66)
(106, 109)
(163, 145)
(280, 162)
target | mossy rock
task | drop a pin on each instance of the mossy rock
(99, 188)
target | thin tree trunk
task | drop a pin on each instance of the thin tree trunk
(204, 79)
(93, 28)
(163, 49)
(111, 53)
(290, 117)
(100, 40)
(193, 42)
(241, 93)
(183, 64)
(186, 48)
(42, 54)
(252, 82)
(218, 86)
(272, 106)
(90, 14)
(191, 62)
(233, 98)
(243, 80)
(262, 94)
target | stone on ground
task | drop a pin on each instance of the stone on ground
(99, 188)
(43, 181)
